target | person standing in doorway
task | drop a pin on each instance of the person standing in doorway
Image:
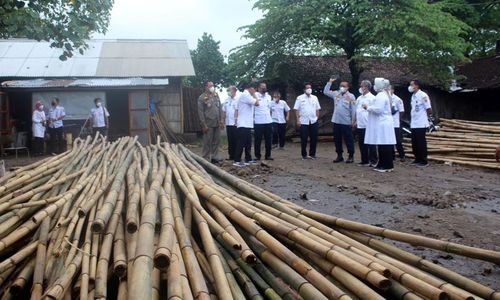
(263, 122)
(420, 111)
(307, 113)
(210, 115)
(99, 118)
(56, 129)
(398, 111)
(342, 118)
(228, 116)
(380, 128)
(369, 155)
(244, 121)
(39, 119)
(280, 113)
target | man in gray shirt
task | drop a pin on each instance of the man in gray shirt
(342, 119)
(210, 114)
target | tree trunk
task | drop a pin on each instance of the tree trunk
(355, 70)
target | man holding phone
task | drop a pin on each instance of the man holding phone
(343, 115)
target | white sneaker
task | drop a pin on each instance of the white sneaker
(239, 164)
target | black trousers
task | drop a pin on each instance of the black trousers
(279, 132)
(263, 131)
(419, 144)
(368, 152)
(102, 130)
(244, 142)
(38, 146)
(56, 140)
(308, 131)
(385, 160)
(343, 132)
(399, 144)
(232, 139)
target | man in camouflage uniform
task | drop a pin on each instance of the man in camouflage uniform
(210, 114)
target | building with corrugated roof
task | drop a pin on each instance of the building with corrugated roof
(128, 75)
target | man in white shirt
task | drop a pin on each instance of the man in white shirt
(229, 108)
(369, 155)
(280, 113)
(342, 118)
(56, 115)
(398, 111)
(420, 111)
(244, 122)
(99, 118)
(307, 113)
(263, 122)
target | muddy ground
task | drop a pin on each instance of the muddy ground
(447, 202)
(454, 203)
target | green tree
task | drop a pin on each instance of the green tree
(66, 24)
(422, 33)
(483, 17)
(208, 62)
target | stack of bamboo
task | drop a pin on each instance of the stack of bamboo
(122, 221)
(464, 142)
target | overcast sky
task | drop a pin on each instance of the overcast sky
(182, 19)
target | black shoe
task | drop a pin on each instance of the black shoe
(269, 158)
(338, 159)
(413, 163)
(214, 161)
(402, 159)
(350, 160)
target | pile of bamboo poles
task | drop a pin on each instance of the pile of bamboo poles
(472, 143)
(122, 221)
(160, 127)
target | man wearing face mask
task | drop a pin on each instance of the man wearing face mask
(307, 113)
(247, 102)
(263, 122)
(56, 115)
(99, 118)
(369, 155)
(380, 129)
(38, 120)
(280, 112)
(342, 118)
(228, 116)
(210, 115)
(420, 111)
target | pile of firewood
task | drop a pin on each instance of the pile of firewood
(122, 221)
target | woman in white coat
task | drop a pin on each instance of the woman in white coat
(380, 128)
(39, 120)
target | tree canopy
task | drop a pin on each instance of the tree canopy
(208, 61)
(66, 24)
(424, 34)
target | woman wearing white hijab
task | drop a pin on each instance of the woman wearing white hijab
(380, 128)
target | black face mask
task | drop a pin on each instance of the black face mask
(54, 104)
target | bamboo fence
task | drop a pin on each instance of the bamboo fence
(122, 221)
(471, 143)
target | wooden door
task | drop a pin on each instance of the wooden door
(138, 107)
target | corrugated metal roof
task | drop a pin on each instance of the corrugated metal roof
(85, 83)
(104, 58)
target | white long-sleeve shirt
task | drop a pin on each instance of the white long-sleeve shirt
(262, 114)
(380, 129)
(38, 120)
(54, 114)
(420, 103)
(246, 106)
(361, 113)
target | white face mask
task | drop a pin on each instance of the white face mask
(211, 89)
(361, 91)
(309, 91)
(98, 104)
(343, 89)
(41, 107)
(411, 89)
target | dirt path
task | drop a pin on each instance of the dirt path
(452, 203)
